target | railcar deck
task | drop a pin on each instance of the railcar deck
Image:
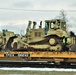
(38, 59)
(38, 56)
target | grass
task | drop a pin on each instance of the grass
(17, 72)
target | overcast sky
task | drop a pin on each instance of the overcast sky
(17, 20)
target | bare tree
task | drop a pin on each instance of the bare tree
(62, 15)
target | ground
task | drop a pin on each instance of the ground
(18, 72)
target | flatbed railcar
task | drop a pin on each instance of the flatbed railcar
(51, 44)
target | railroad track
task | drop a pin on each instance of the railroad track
(36, 65)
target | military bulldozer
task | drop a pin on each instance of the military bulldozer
(54, 36)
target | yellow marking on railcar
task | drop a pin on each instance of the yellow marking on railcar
(44, 54)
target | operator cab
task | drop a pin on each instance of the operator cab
(54, 24)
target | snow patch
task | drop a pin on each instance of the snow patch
(38, 69)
